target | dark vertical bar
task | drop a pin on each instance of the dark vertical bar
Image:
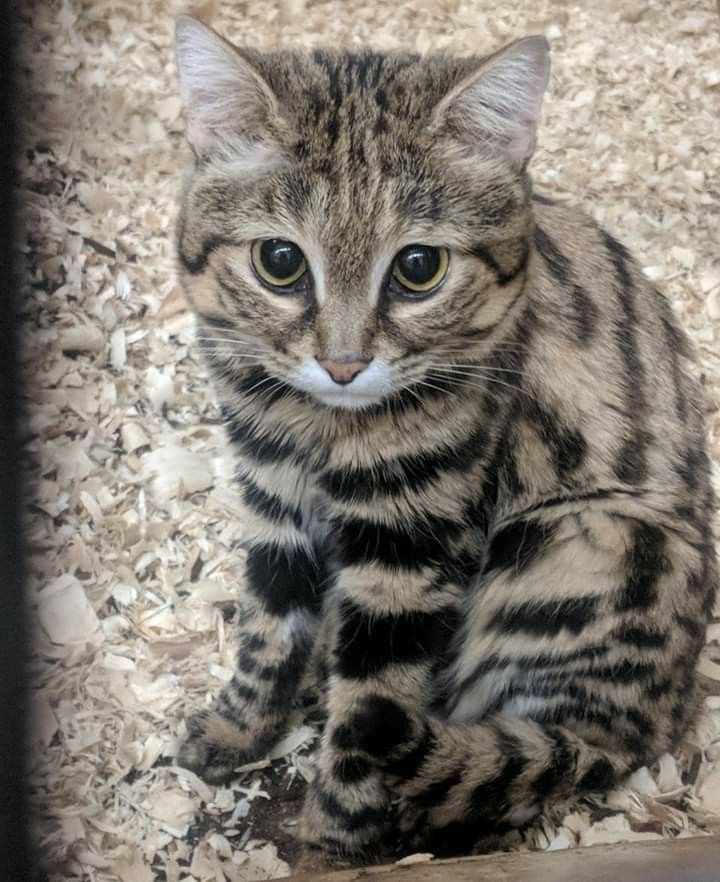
(13, 722)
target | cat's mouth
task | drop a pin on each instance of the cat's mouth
(367, 389)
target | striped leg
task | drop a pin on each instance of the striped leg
(286, 579)
(562, 692)
(382, 671)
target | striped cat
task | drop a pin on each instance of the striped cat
(469, 441)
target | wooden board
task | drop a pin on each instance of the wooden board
(695, 859)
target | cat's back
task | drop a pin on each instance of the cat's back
(609, 355)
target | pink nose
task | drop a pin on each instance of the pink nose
(343, 372)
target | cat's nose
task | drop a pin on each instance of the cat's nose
(344, 372)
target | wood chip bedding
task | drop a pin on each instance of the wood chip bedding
(133, 528)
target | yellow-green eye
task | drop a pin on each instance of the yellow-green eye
(420, 268)
(277, 262)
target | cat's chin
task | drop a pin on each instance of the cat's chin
(344, 400)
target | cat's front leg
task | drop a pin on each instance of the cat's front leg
(389, 629)
(286, 577)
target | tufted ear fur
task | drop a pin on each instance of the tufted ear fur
(228, 104)
(496, 109)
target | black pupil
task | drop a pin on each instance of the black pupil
(418, 263)
(281, 259)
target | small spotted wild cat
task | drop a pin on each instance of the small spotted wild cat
(470, 447)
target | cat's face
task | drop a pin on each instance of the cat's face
(351, 225)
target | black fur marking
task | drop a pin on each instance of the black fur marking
(403, 473)
(519, 544)
(285, 579)
(599, 777)
(254, 643)
(632, 460)
(561, 766)
(676, 346)
(543, 200)
(548, 618)
(492, 797)
(559, 265)
(530, 663)
(368, 642)
(242, 691)
(645, 563)
(361, 541)
(503, 277)
(370, 816)
(693, 627)
(351, 768)
(409, 764)
(567, 445)
(438, 791)
(625, 671)
(198, 263)
(269, 505)
(643, 638)
(261, 447)
(379, 728)
(631, 464)
(585, 312)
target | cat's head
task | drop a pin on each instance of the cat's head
(355, 222)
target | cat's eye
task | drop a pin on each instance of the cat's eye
(419, 269)
(277, 262)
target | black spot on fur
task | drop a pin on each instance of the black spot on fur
(409, 764)
(285, 579)
(369, 816)
(519, 544)
(424, 544)
(254, 642)
(368, 642)
(548, 618)
(567, 445)
(599, 777)
(241, 690)
(642, 637)
(492, 798)
(561, 767)
(379, 728)
(645, 563)
(351, 768)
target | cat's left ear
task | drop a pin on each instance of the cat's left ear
(227, 102)
(496, 109)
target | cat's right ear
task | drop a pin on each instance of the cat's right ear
(227, 103)
(495, 110)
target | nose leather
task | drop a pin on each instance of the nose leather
(343, 372)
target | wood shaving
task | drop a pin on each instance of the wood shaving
(138, 548)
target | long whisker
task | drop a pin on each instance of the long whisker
(466, 381)
(471, 368)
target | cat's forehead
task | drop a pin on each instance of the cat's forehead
(346, 99)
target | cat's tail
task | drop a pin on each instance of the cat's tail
(460, 784)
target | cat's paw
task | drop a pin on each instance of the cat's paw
(215, 747)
